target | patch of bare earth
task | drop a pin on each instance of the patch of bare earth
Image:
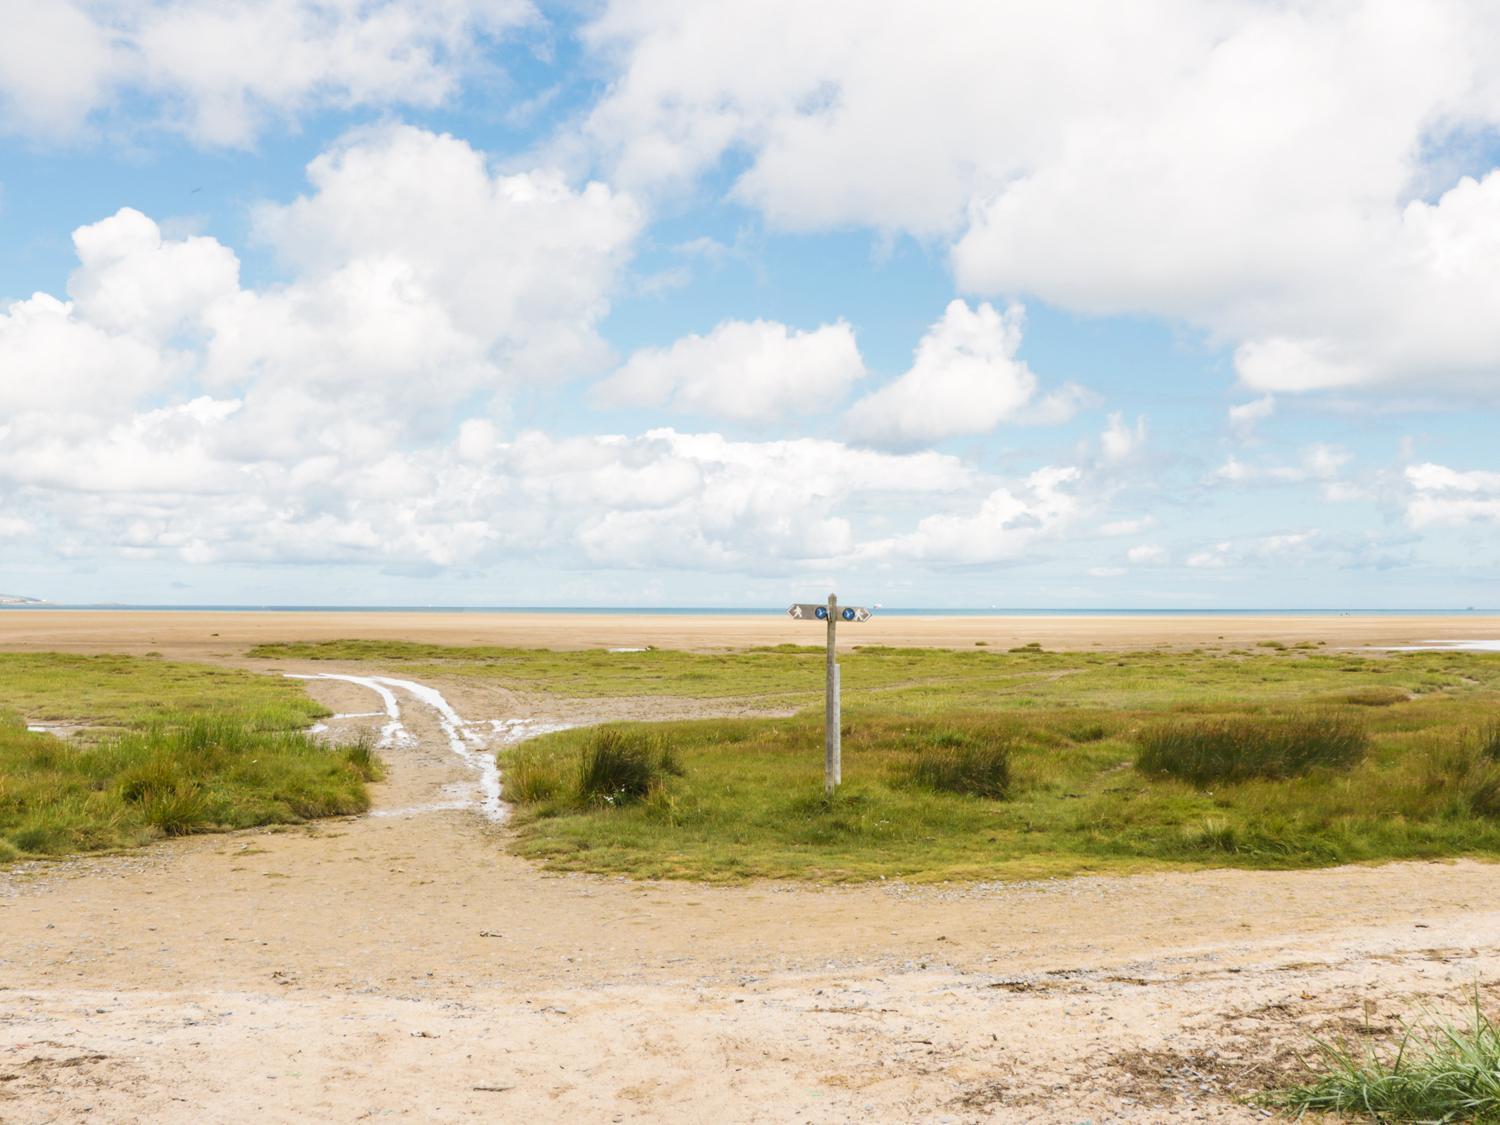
(404, 966)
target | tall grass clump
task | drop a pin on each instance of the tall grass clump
(1440, 1073)
(619, 766)
(1214, 751)
(960, 763)
(1487, 741)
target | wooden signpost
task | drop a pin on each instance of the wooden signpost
(832, 613)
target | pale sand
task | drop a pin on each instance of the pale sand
(406, 967)
(207, 633)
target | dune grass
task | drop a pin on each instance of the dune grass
(1442, 1071)
(175, 749)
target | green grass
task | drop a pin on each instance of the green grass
(974, 764)
(611, 767)
(1441, 1072)
(176, 749)
(1215, 751)
(749, 801)
(129, 691)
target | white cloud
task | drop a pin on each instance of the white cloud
(1120, 442)
(757, 372)
(1319, 462)
(1214, 558)
(1281, 176)
(419, 280)
(1128, 527)
(964, 379)
(522, 264)
(1259, 551)
(1147, 553)
(1107, 571)
(130, 280)
(1245, 416)
(223, 71)
(1444, 497)
(1008, 523)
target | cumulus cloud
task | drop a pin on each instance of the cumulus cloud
(1334, 240)
(1008, 523)
(964, 379)
(1444, 497)
(523, 263)
(419, 279)
(353, 411)
(222, 71)
(757, 372)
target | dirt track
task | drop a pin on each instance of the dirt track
(405, 967)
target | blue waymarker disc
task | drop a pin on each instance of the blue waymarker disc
(848, 615)
(822, 613)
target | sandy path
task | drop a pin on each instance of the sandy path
(403, 966)
(208, 634)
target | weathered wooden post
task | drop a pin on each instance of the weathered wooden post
(832, 766)
(832, 614)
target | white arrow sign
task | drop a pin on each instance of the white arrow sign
(817, 611)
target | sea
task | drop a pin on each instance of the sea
(759, 611)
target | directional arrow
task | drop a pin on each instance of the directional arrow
(817, 611)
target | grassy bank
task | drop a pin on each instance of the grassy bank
(1266, 759)
(160, 749)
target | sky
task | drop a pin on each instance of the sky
(1014, 303)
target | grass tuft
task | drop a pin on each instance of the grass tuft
(362, 759)
(1487, 741)
(1215, 751)
(618, 766)
(610, 768)
(1379, 696)
(960, 763)
(1438, 1073)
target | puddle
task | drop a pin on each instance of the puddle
(1448, 646)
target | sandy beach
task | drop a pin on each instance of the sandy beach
(210, 634)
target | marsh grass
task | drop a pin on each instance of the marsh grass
(234, 756)
(1378, 696)
(1214, 751)
(750, 804)
(1487, 741)
(957, 762)
(1442, 1071)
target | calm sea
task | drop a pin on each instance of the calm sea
(740, 611)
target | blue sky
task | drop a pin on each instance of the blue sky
(481, 302)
